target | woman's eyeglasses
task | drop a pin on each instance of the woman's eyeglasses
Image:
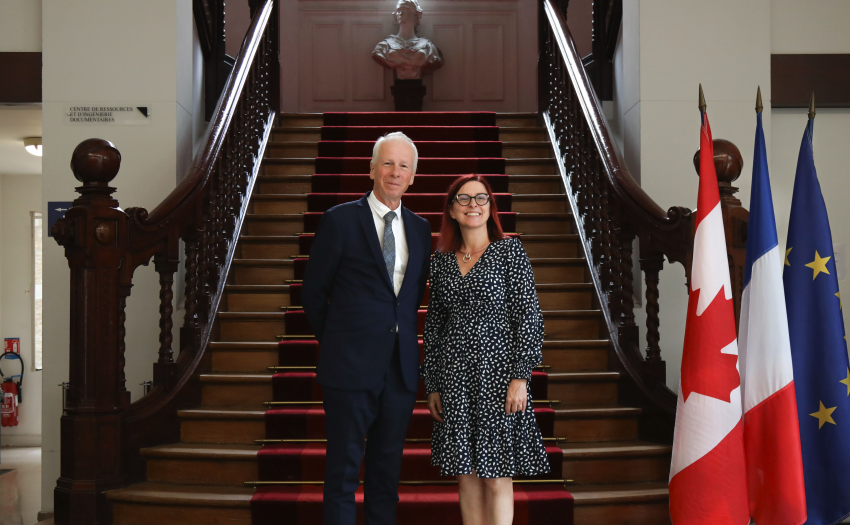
(465, 200)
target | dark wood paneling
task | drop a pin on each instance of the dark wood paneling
(794, 77)
(21, 74)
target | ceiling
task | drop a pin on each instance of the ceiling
(17, 123)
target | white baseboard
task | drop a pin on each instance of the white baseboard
(21, 440)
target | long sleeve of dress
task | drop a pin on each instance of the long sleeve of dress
(434, 323)
(524, 314)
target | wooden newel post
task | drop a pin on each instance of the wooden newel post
(728, 163)
(94, 234)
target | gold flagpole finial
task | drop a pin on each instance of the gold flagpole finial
(702, 105)
(759, 106)
(812, 106)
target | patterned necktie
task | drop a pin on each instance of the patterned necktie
(389, 244)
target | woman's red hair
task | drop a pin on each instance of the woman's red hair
(450, 236)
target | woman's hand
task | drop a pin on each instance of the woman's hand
(435, 406)
(517, 396)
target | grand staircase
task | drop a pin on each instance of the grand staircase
(264, 351)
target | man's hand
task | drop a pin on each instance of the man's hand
(435, 406)
(517, 396)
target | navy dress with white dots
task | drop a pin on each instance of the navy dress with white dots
(483, 330)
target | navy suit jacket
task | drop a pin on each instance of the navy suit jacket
(351, 304)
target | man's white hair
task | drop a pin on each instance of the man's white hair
(396, 135)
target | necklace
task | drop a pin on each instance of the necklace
(468, 256)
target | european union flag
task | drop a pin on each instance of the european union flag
(818, 347)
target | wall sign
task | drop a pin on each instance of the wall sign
(55, 211)
(12, 344)
(108, 114)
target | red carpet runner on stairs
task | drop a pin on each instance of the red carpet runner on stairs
(450, 144)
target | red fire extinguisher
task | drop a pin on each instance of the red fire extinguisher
(11, 392)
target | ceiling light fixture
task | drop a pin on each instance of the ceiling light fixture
(33, 145)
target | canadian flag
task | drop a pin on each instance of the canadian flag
(708, 477)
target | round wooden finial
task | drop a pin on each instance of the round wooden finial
(728, 161)
(95, 162)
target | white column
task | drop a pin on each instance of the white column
(102, 52)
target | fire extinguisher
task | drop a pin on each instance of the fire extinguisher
(12, 392)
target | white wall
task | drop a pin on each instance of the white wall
(146, 55)
(20, 195)
(489, 47)
(20, 25)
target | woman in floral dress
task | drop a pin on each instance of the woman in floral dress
(483, 338)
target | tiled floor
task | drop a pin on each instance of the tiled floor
(20, 490)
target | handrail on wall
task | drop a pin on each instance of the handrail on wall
(612, 210)
(101, 431)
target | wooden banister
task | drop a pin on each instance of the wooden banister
(101, 431)
(612, 210)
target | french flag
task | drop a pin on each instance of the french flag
(771, 430)
(708, 482)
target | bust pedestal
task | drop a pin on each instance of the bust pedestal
(408, 94)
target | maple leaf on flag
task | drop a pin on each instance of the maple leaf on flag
(705, 369)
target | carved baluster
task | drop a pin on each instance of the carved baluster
(626, 240)
(609, 271)
(191, 322)
(651, 268)
(122, 332)
(164, 368)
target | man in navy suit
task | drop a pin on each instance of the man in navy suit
(362, 289)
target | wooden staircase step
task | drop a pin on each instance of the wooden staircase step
(536, 184)
(539, 203)
(236, 389)
(604, 423)
(256, 297)
(565, 296)
(278, 203)
(291, 148)
(526, 149)
(263, 271)
(300, 120)
(576, 355)
(623, 504)
(518, 120)
(618, 462)
(268, 246)
(243, 357)
(559, 269)
(290, 166)
(284, 184)
(540, 223)
(274, 223)
(147, 503)
(583, 388)
(201, 464)
(572, 324)
(222, 425)
(296, 133)
(250, 326)
(523, 133)
(552, 244)
(530, 166)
